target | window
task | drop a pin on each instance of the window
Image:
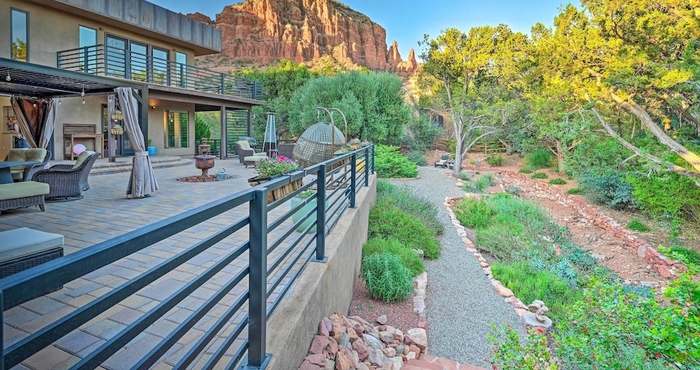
(20, 35)
(88, 42)
(180, 73)
(176, 129)
(115, 60)
(159, 65)
(139, 64)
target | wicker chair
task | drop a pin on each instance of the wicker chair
(68, 181)
(244, 150)
(317, 144)
(20, 155)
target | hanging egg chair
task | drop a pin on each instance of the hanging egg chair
(317, 144)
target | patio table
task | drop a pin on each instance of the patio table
(6, 175)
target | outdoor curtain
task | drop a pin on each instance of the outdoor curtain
(143, 178)
(35, 119)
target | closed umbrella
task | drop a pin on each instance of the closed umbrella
(270, 142)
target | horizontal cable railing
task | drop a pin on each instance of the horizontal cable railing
(245, 282)
(109, 61)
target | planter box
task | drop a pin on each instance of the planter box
(277, 193)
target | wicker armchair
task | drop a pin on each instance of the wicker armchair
(68, 181)
(22, 155)
(244, 150)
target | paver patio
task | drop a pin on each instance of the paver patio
(104, 213)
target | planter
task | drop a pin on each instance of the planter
(276, 194)
(152, 150)
(298, 215)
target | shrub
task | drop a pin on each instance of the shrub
(530, 284)
(489, 177)
(514, 191)
(495, 160)
(510, 353)
(389, 163)
(666, 193)
(473, 213)
(526, 170)
(557, 182)
(465, 175)
(409, 258)
(539, 175)
(417, 158)
(595, 152)
(608, 187)
(636, 225)
(387, 220)
(574, 191)
(415, 205)
(687, 255)
(386, 277)
(540, 158)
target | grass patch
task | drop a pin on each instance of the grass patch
(526, 170)
(636, 225)
(409, 258)
(387, 220)
(539, 175)
(557, 182)
(386, 277)
(415, 205)
(529, 284)
(574, 191)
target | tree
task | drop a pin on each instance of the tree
(372, 103)
(465, 72)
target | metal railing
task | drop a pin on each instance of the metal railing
(109, 61)
(272, 265)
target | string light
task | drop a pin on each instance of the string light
(59, 102)
(83, 92)
(83, 100)
(8, 78)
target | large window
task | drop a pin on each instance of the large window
(176, 129)
(20, 35)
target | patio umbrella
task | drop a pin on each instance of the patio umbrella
(270, 141)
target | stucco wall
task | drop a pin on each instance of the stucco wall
(156, 126)
(322, 288)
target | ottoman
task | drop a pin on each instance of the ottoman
(253, 159)
(24, 248)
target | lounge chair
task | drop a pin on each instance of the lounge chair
(68, 181)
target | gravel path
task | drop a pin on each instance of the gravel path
(461, 303)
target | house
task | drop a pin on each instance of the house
(78, 52)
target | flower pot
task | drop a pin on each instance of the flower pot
(152, 150)
(298, 215)
(278, 193)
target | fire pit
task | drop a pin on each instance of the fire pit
(204, 161)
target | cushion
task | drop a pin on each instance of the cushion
(82, 158)
(23, 189)
(244, 145)
(255, 158)
(25, 155)
(24, 241)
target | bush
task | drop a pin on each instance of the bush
(666, 194)
(595, 152)
(473, 213)
(530, 284)
(386, 277)
(489, 178)
(409, 258)
(389, 163)
(574, 191)
(557, 182)
(510, 353)
(417, 158)
(465, 175)
(386, 220)
(415, 205)
(526, 170)
(539, 175)
(636, 225)
(540, 158)
(687, 255)
(495, 160)
(608, 187)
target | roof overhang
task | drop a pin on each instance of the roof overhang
(43, 82)
(204, 102)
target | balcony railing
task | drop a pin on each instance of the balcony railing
(108, 61)
(262, 268)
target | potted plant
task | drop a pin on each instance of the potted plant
(298, 215)
(271, 168)
(152, 150)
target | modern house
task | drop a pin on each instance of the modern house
(79, 51)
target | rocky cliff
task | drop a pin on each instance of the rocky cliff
(265, 31)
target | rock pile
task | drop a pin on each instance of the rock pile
(345, 343)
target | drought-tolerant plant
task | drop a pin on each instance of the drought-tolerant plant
(465, 175)
(386, 277)
(511, 353)
(528, 284)
(539, 175)
(540, 158)
(608, 187)
(557, 182)
(636, 225)
(495, 160)
(489, 176)
(417, 158)
(389, 163)
(669, 193)
(387, 220)
(514, 191)
(416, 205)
(526, 170)
(473, 213)
(574, 191)
(409, 258)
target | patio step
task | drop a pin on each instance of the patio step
(124, 164)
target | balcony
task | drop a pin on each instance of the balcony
(102, 60)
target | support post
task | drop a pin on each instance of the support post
(257, 279)
(224, 143)
(353, 179)
(372, 159)
(366, 167)
(321, 215)
(250, 123)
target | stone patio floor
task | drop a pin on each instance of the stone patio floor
(104, 213)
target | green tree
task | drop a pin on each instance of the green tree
(372, 103)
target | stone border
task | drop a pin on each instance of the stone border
(666, 267)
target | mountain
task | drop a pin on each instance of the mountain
(264, 31)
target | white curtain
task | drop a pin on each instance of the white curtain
(143, 178)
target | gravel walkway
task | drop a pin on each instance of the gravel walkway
(461, 303)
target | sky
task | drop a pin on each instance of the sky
(406, 21)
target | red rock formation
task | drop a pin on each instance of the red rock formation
(265, 31)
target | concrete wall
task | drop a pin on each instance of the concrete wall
(52, 30)
(322, 288)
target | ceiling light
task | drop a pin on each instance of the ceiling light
(8, 78)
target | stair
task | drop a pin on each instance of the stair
(124, 164)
